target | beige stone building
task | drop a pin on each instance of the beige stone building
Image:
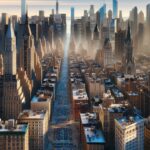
(14, 136)
(129, 133)
(38, 127)
(42, 102)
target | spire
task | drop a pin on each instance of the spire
(10, 31)
(27, 30)
(128, 38)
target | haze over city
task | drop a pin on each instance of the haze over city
(74, 75)
(13, 6)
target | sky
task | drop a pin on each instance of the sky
(13, 6)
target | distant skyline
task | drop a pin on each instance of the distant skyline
(13, 6)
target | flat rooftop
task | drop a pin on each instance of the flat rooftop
(116, 108)
(88, 118)
(29, 114)
(129, 120)
(94, 136)
(40, 98)
(19, 129)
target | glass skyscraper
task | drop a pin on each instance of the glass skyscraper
(23, 10)
(72, 13)
(115, 8)
(102, 13)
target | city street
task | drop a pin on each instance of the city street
(63, 132)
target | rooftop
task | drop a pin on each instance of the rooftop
(88, 119)
(116, 108)
(29, 114)
(129, 120)
(40, 98)
(94, 136)
(12, 128)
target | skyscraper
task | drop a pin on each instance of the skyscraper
(148, 14)
(102, 14)
(28, 48)
(129, 59)
(57, 7)
(119, 43)
(23, 10)
(12, 95)
(72, 14)
(10, 51)
(115, 9)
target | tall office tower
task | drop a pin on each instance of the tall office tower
(23, 10)
(129, 133)
(102, 14)
(115, 9)
(148, 15)
(107, 53)
(72, 21)
(134, 21)
(140, 37)
(141, 17)
(91, 10)
(10, 51)
(12, 95)
(129, 64)
(120, 15)
(4, 23)
(27, 51)
(1, 65)
(41, 15)
(38, 127)
(13, 136)
(57, 7)
(119, 43)
(72, 14)
(110, 15)
(148, 23)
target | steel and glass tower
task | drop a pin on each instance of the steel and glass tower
(115, 9)
(23, 10)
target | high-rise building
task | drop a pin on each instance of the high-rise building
(12, 95)
(119, 43)
(102, 14)
(134, 21)
(27, 50)
(129, 64)
(72, 14)
(148, 22)
(57, 7)
(4, 23)
(38, 127)
(107, 57)
(23, 10)
(91, 10)
(148, 14)
(141, 17)
(115, 9)
(41, 15)
(13, 136)
(10, 51)
(129, 133)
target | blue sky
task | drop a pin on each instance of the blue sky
(13, 6)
